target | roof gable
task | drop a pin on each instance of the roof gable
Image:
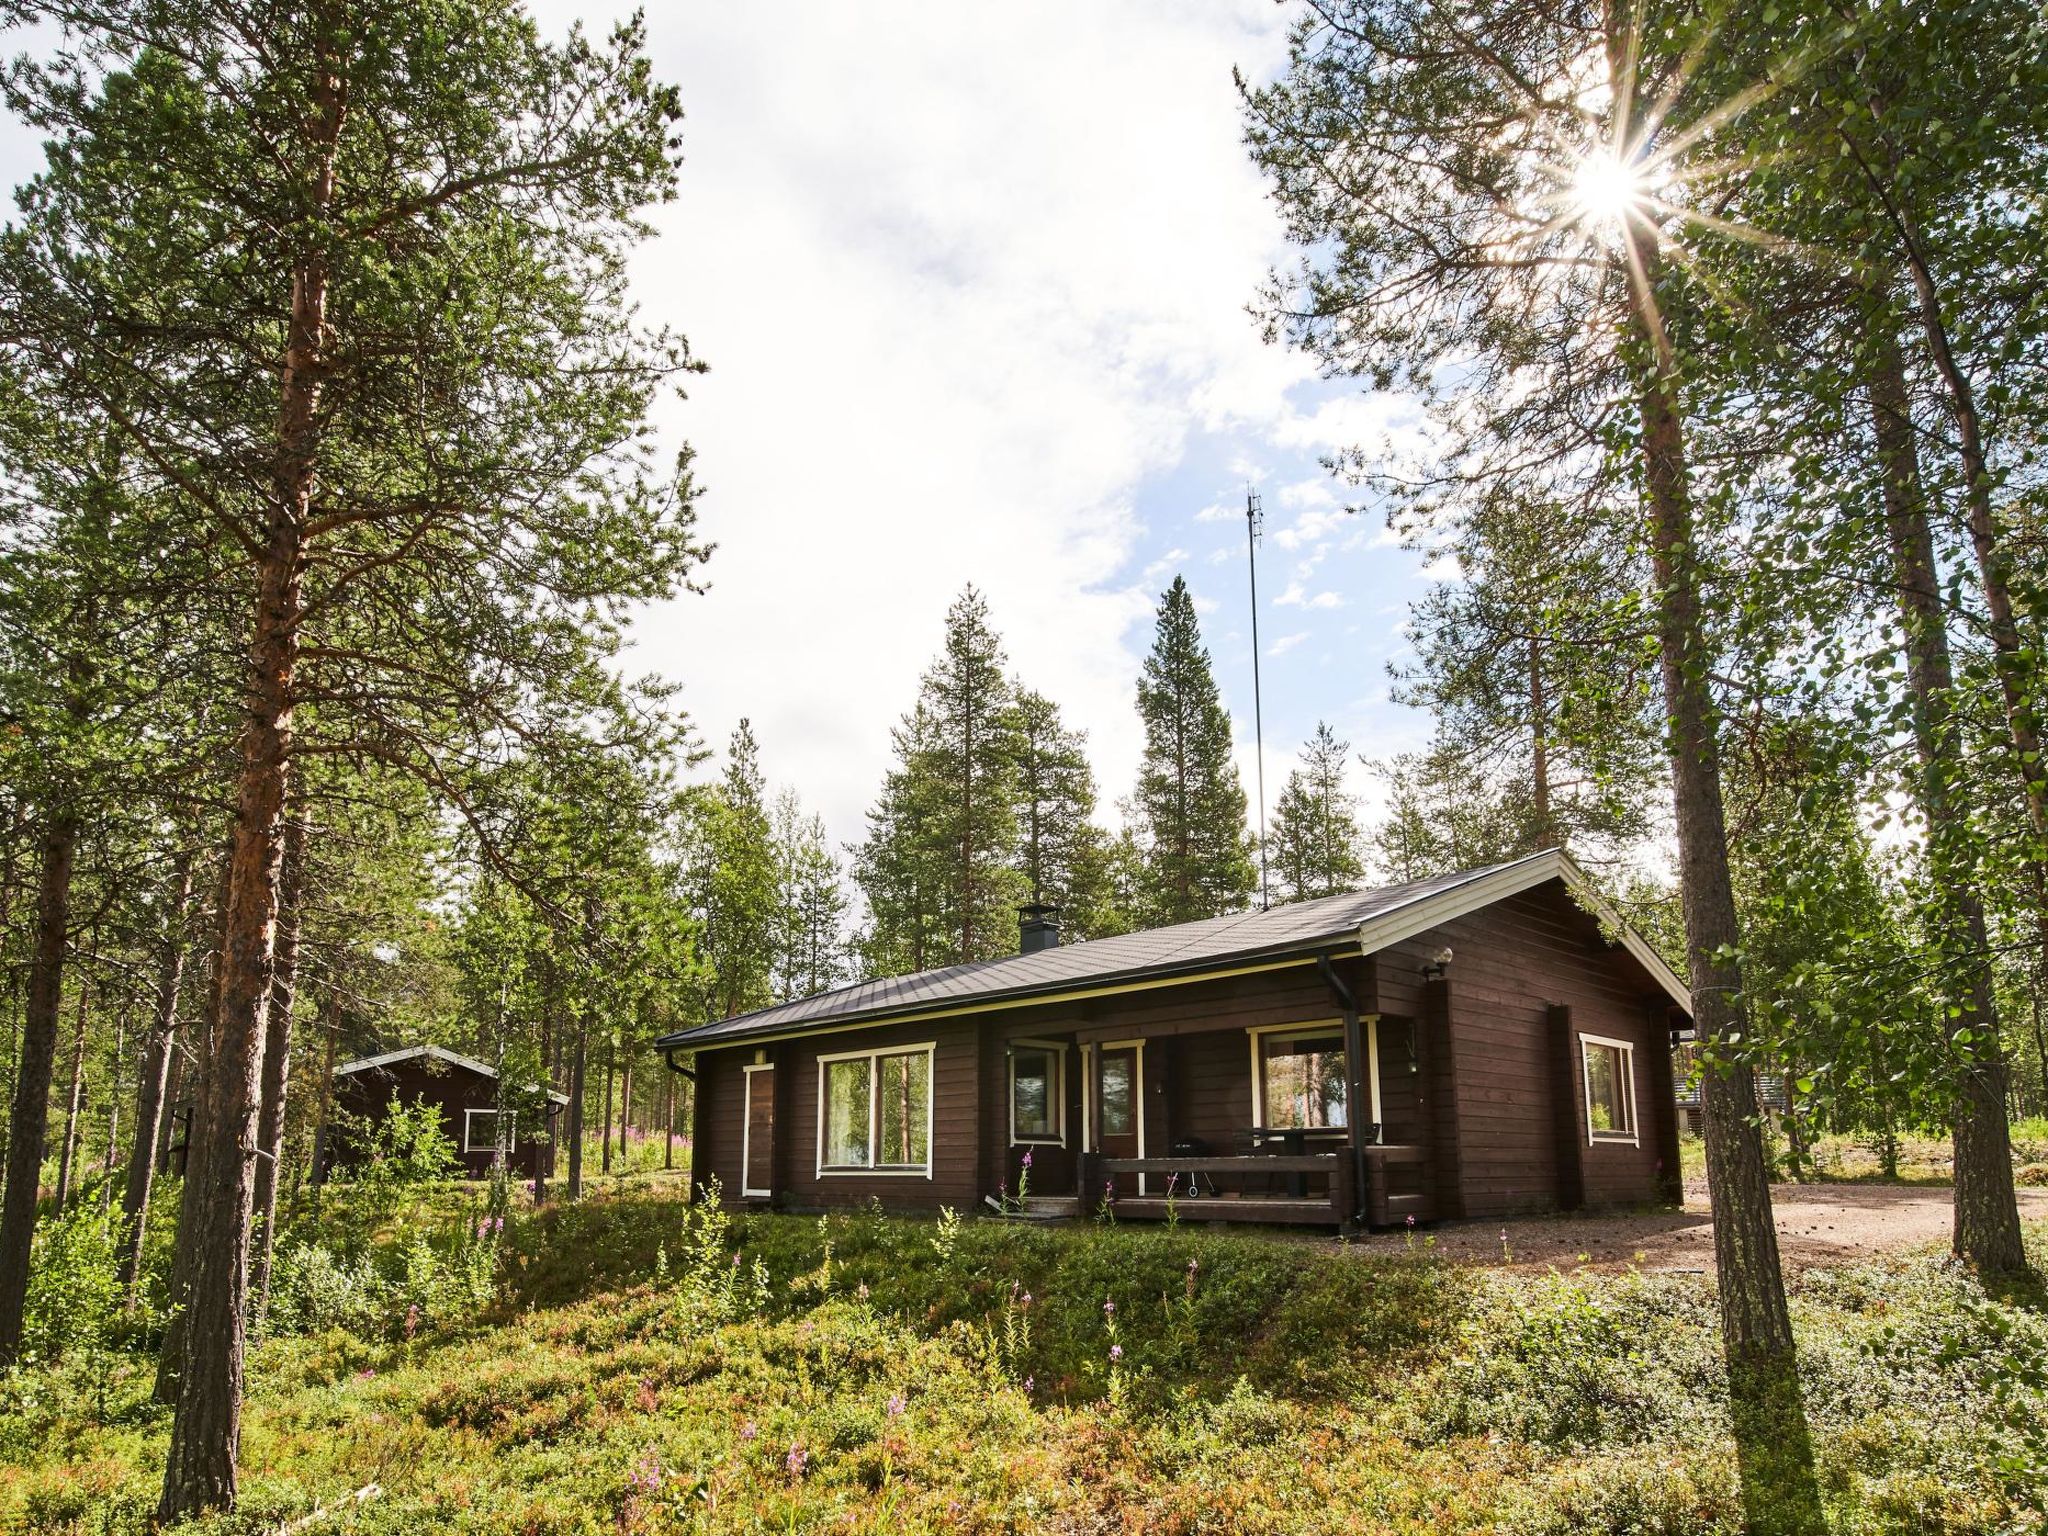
(428, 1052)
(1356, 922)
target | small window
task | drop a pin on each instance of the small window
(877, 1112)
(1037, 1093)
(480, 1130)
(1610, 1088)
(1303, 1085)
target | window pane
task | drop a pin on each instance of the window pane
(906, 1097)
(1306, 1083)
(1606, 1105)
(1116, 1095)
(1036, 1101)
(846, 1113)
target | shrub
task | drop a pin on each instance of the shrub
(73, 1300)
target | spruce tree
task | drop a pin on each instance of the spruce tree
(1190, 804)
(939, 866)
(1062, 855)
(810, 903)
(1314, 838)
(736, 880)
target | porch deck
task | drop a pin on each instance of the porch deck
(1199, 1197)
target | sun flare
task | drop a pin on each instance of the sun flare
(1607, 188)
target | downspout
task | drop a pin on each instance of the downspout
(1354, 1058)
(668, 1056)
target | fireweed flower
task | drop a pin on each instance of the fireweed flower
(412, 1319)
(1109, 1309)
(646, 1476)
(1027, 1157)
(896, 1406)
(798, 1458)
(1030, 1385)
(750, 1430)
(1116, 1351)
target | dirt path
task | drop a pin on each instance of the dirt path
(1817, 1224)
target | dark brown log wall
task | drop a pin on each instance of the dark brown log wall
(1511, 963)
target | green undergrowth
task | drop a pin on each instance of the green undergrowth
(645, 1367)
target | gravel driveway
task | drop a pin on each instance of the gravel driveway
(1817, 1224)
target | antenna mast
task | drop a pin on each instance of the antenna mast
(1254, 521)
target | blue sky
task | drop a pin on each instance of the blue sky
(972, 282)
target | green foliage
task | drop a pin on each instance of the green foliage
(1313, 839)
(938, 866)
(74, 1303)
(396, 1152)
(1269, 1386)
(1189, 807)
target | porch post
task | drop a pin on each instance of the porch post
(1664, 1105)
(1345, 1191)
(1438, 1056)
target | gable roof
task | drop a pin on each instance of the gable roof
(1357, 922)
(434, 1052)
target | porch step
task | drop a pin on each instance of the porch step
(1038, 1208)
(1301, 1211)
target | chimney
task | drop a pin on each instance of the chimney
(1038, 927)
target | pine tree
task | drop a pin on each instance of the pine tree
(1190, 804)
(1314, 838)
(939, 865)
(1062, 855)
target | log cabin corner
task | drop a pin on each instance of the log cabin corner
(1480, 1044)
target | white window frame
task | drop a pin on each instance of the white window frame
(1057, 1088)
(873, 1056)
(747, 1127)
(1137, 1091)
(1368, 1026)
(491, 1146)
(1633, 1136)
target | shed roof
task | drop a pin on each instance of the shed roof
(434, 1052)
(1356, 922)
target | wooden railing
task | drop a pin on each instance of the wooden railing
(1381, 1167)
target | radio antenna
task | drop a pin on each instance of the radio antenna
(1254, 523)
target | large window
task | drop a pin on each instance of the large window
(1302, 1081)
(1037, 1092)
(875, 1111)
(1610, 1088)
(480, 1130)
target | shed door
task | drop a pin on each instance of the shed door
(758, 1174)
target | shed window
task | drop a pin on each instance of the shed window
(876, 1114)
(480, 1130)
(1610, 1088)
(1037, 1092)
(1302, 1082)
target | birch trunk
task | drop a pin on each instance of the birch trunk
(277, 1049)
(67, 1152)
(153, 1083)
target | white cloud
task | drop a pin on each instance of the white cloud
(1298, 596)
(966, 282)
(1286, 643)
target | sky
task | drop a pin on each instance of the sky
(972, 284)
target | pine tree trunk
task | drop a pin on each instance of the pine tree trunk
(574, 1115)
(67, 1153)
(199, 1467)
(113, 1114)
(1774, 1444)
(29, 1122)
(277, 1055)
(1987, 1219)
(625, 1105)
(152, 1084)
(604, 1121)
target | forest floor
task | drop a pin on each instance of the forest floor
(637, 1366)
(1818, 1224)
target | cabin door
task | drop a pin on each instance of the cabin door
(1120, 1121)
(757, 1145)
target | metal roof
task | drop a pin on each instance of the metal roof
(438, 1053)
(1355, 922)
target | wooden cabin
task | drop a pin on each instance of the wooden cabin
(465, 1091)
(1485, 1043)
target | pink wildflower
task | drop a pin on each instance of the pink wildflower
(1027, 1157)
(412, 1320)
(1030, 1385)
(896, 1406)
(1109, 1309)
(750, 1430)
(1116, 1351)
(798, 1459)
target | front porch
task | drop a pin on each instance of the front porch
(1309, 1121)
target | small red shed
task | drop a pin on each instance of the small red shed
(464, 1089)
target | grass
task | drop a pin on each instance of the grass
(872, 1374)
(1924, 1158)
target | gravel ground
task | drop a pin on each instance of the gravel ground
(1818, 1224)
